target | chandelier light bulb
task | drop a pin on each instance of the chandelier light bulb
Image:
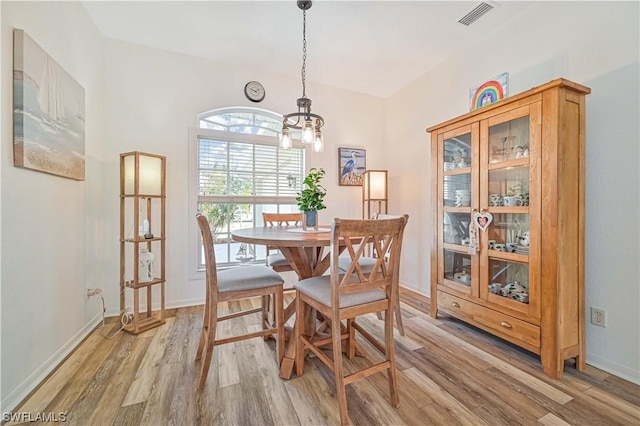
(307, 132)
(285, 139)
(318, 142)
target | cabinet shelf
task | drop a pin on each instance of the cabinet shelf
(449, 209)
(145, 324)
(142, 240)
(518, 209)
(519, 162)
(142, 196)
(132, 284)
(517, 257)
(453, 172)
(533, 298)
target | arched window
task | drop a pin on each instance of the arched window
(252, 121)
(239, 173)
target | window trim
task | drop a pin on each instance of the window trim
(195, 133)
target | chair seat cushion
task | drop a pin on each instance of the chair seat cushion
(277, 259)
(319, 289)
(247, 278)
(366, 263)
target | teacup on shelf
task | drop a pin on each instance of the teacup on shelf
(514, 287)
(495, 200)
(462, 198)
(462, 277)
(495, 288)
(512, 201)
(520, 296)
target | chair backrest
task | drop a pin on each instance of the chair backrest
(386, 216)
(279, 219)
(385, 237)
(389, 216)
(209, 254)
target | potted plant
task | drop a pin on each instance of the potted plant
(311, 198)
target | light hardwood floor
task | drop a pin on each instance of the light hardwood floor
(449, 373)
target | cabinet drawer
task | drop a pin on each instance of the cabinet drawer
(514, 330)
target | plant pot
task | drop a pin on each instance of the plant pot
(310, 220)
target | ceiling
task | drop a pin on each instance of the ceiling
(373, 47)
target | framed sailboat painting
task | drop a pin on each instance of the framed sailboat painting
(48, 113)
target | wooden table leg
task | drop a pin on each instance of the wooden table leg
(308, 327)
(307, 262)
(288, 362)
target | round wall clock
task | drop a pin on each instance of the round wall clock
(254, 91)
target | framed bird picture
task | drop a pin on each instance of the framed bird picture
(352, 163)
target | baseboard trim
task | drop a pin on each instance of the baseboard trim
(186, 302)
(405, 289)
(614, 368)
(31, 383)
(172, 305)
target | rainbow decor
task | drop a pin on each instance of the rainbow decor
(489, 92)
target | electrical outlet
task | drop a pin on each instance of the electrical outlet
(90, 292)
(598, 317)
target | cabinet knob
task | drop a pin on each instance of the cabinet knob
(455, 304)
(505, 324)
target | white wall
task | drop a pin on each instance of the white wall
(592, 43)
(152, 99)
(51, 234)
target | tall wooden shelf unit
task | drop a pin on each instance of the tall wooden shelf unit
(530, 147)
(142, 196)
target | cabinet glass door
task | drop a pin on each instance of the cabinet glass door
(507, 189)
(509, 140)
(459, 191)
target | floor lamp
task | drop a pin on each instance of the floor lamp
(142, 237)
(374, 193)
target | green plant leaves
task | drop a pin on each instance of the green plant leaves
(312, 197)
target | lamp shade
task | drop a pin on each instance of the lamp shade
(374, 193)
(375, 185)
(142, 173)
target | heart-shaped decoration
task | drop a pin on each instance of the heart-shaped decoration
(483, 220)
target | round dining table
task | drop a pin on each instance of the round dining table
(304, 251)
(302, 248)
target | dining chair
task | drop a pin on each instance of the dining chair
(276, 260)
(238, 283)
(367, 262)
(345, 295)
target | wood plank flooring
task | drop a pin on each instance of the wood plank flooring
(449, 374)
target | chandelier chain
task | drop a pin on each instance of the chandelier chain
(303, 119)
(304, 52)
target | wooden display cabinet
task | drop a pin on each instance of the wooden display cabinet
(522, 160)
(142, 237)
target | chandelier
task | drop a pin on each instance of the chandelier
(304, 120)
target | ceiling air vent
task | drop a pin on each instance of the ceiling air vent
(475, 14)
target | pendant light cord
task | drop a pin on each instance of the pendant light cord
(304, 52)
